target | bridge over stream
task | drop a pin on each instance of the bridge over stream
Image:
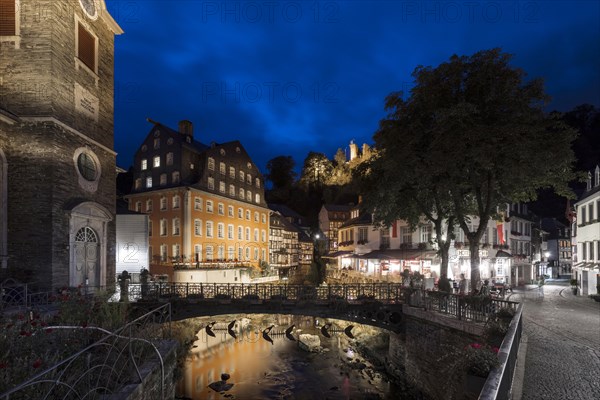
(376, 304)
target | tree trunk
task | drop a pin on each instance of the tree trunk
(475, 274)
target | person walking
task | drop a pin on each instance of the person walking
(462, 285)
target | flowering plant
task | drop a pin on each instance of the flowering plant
(480, 359)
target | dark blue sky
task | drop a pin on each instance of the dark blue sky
(289, 77)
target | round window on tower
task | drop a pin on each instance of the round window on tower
(90, 8)
(88, 168)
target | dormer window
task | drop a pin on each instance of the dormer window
(589, 181)
(597, 176)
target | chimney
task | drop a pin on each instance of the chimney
(186, 128)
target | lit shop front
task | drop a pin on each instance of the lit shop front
(496, 268)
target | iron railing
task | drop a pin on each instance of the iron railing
(103, 367)
(469, 308)
(498, 385)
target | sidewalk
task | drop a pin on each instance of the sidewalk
(560, 348)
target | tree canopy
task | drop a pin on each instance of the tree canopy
(280, 172)
(471, 137)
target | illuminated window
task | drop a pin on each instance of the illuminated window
(163, 227)
(257, 198)
(230, 253)
(222, 187)
(198, 252)
(209, 229)
(211, 163)
(247, 234)
(138, 184)
(242, 194)
(240, 233)
(242, 176)
(264, 235)
(256, 235)
(163, 252)
(197, 227)
(222, 168)
(156, 162)
(264, 218)
(209, 253)
(149, 182)
(249, 179)
(249, 195)
(211, 183)
(232, 172)
(257, 183)
(175, 177)
(230, 232)
(220, 230)
(232, 190)
(163, 179)
(170, 158)
(144, 165)
(175, 226)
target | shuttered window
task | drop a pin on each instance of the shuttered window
(8, 18)
(86, 48)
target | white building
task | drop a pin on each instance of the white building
(586, 237)
(506, 250)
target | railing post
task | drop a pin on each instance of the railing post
(187, 289)
(459, 307)
(201, 290)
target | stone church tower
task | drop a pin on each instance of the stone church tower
(57, 163)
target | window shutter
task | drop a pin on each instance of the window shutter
(7, 18)
(86, 48)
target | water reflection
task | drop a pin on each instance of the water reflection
(265, 364)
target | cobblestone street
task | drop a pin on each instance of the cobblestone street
(560, 346)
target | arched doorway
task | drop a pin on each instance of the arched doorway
(88, 243)
(87, 270)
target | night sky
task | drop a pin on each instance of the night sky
(289, 77)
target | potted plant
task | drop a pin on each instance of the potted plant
(574, 286)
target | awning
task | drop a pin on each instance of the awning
(397, 254)
(337, 254)
(585, 265)
(502, 253)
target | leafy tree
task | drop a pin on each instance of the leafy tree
(316, 170)
(483, 137)
(280, 172)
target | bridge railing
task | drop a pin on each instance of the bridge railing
(383, 292)
(471, 308)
